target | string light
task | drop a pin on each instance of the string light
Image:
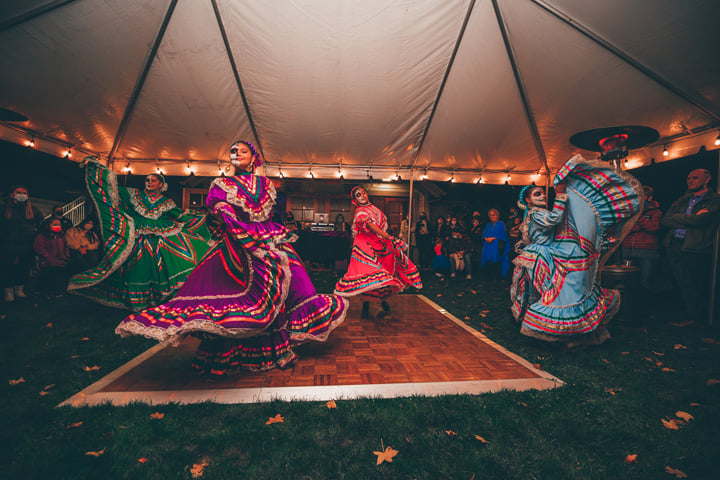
(424, 176)
(508, 178)
(280, 173)
(189, 169)
(68, 153)
(452, 178)
(310, 173)
(665, 151)
(717, 139)
(127, 170)
(479, 180)
(31, 143)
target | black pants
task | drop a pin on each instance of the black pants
(15, 269)
(52, 280)
(692, 276)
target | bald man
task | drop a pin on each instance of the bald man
(692, 221)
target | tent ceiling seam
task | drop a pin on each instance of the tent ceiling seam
(461, 34)
(140, 82)
(529, 115)
(236, 74)
(36, 12)
(624, 56)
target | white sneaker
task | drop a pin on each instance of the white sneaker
(19, 293)
(468, 277)
(9, 296)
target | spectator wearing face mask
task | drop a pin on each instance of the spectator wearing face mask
(18, 222)
(53, 255)
(57, 212)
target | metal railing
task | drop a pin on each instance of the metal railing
(74, 210)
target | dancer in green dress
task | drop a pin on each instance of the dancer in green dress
(150, 246)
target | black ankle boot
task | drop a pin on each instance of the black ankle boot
(365, 310)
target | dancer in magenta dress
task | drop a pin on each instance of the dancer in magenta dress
(378, 265)
(250, 300)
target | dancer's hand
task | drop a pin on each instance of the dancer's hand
(560, 187)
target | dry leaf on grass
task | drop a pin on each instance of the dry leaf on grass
(157, 415)
(694, 404)
(276, 419)
(523, 404)
(439, 295)
(667, 369)
(474, 292)
(631, 458)
(74, 425)
(331, 404)
(486, 325)
(386, 455)
(95, 454)
(680, 347)
(605, 360)
(450, 433)
(43, 393)
(671, 424)
(49, 325)
(711, 381)
(197, 469)
(675, 471)
(684, 415)
(142, 460)
(90, 369)
(658, 353)
(624, 353)
(478, 437)
(15, 382)
(708, 340)
(612, 391)
(85, 339)
(74, 356)
(537, 366)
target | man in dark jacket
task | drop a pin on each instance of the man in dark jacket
(641, 245)
(692, 220)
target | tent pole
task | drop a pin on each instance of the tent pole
(410, 215)
(42, 10)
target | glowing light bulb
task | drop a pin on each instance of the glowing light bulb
(665, 151)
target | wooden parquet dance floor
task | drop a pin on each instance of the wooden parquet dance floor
(420, 349)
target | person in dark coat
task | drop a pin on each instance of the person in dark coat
(53, 254)
(18, 222)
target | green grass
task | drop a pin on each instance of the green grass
(578, 431)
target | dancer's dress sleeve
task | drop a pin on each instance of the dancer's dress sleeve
(116, 226)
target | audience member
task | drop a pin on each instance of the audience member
(692, 220)
(17, 227)
(641, 245)
(440, 263)
(513, 227)
(459, 249)
(495, 260)
(53, 255)
(57, 212)
(441, 229)
(340, 224)
(423, 240)
(84, 244)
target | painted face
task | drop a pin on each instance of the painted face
(241, 156)
(153, 183)
(537, 197)
(361, 196)
(697, 180)
(493, 216)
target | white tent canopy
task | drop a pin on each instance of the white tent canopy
(461, 88)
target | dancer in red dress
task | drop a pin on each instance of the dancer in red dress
(378, 265)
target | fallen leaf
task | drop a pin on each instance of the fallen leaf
(667, 369)
(658, 353)
(142, 460)
(466, 318)
(331, 404)
(474, 292)
(90, 369)
(680, 347)
(157, 415)
(43, 393)
(523, 404)
(48, 387)
(197, 469)
(693, 404)
(276, 419)
(537, 365)
(386, 455)
(684, 415)
(439, 295)
(84, 339)
(648, 359)
(681, 324)
(407, 439)
(708, 340)
(676, 472)
(74, 356)
(15, 382)
(478, 437)
(95, 454)
(450, 433)
(671, 424)
(74, 425)
(711, 381)
(624, 353)
(49, 325)
(486, 325)
(631, 459)
(612, 391)
(484, 311)
(659, 364)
